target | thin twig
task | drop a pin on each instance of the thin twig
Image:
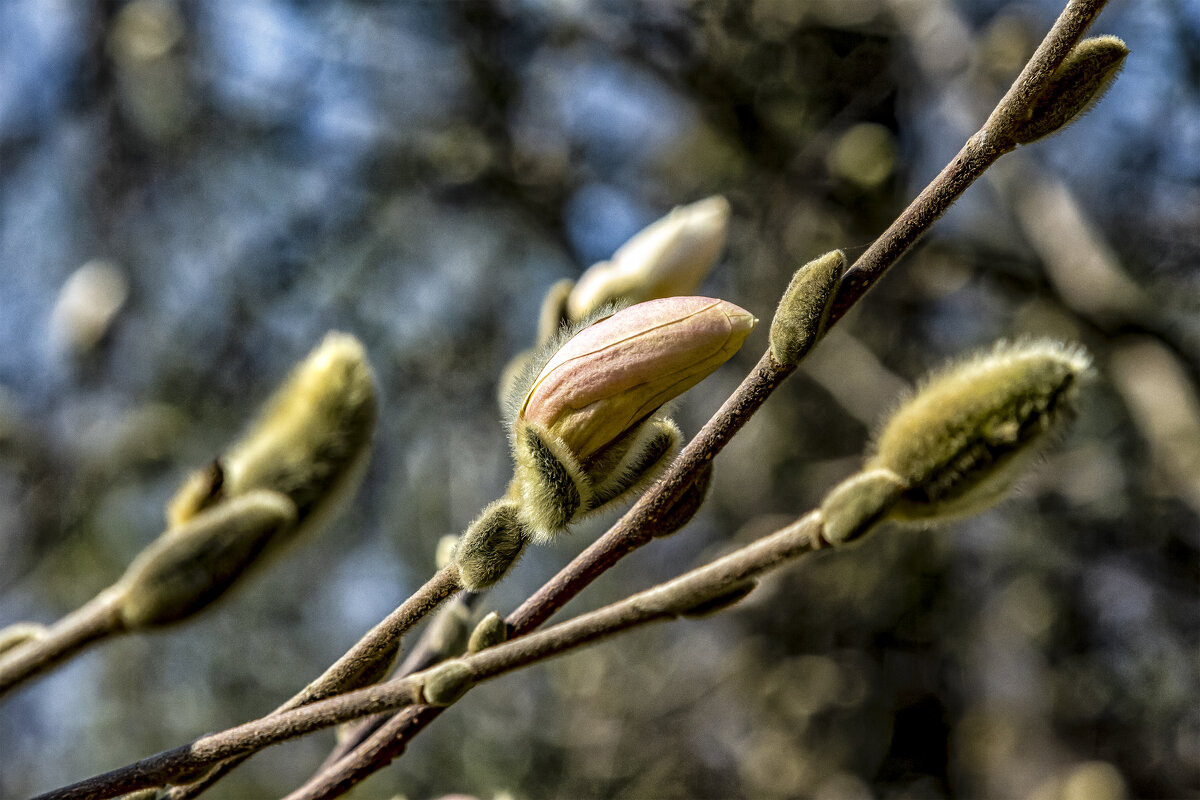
(993, 140)
(368, 658)
(982, 150)
(669, 600)
(425, 654)
(97, 619)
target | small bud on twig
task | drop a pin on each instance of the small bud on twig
(669, 258)
(447, 682)
(721, 600)
(804, 309)
(857, 504)
(1078, 84)
(192, 565)
(491, 545)
(490, 632)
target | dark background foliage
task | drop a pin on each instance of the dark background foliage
(243, 176)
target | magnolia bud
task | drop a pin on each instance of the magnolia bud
(588, 432)
(311, 442)
(193, 564)
(669, 258)
(490, 546)
(804, 308)
(615, 373)
(1078, 83)
(959, 442)
(445, 683)
(490, 632)
(858, 503)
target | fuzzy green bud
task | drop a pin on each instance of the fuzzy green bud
(803, 311)
(444, 684)
(959, 442)
(490, 632)
(857, 504)
(491, 545)
(669, 258)
(310, 443)
(617, 372)
(1078, 83)
(193, 564)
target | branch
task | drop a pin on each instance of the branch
(995, 138)
(363, 664)
(692, 592)
(97, 619)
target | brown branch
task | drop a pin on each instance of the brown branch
(635, 529)
(97, 619)
(669, 600)
(362, 664)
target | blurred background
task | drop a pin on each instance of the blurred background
(192, 194)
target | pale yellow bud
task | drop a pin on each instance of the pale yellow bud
(669, 258)
(311, 442)
(959, 442)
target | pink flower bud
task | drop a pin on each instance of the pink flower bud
(615, 373)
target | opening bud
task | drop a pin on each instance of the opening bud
(959, 442)
(669, 258)
(617, 372)
(589, 430)
(1078, 83)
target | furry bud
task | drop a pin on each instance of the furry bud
(804, 309)
(669, 258)
(192, 565)
(1078, 83)
(491, 545)
(311, 442)
(959, 442)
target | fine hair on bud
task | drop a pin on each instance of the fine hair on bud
(803, 312)
(958, 443)
(1077, 85)
(192, 565)
(858, 503)
(491, 545)
(314, 437)
(629, 464)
